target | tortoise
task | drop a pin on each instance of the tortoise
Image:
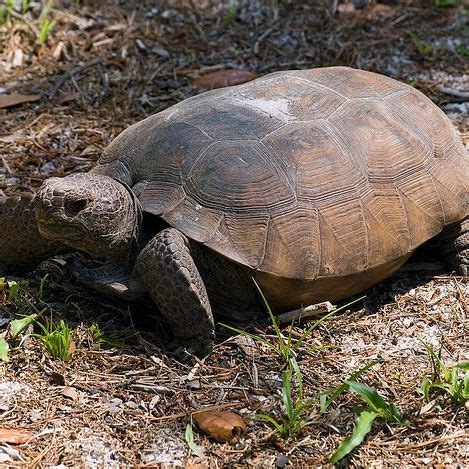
(316, 183)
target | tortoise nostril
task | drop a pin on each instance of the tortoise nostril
(74, 207)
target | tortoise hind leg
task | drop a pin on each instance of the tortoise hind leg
(455, 246)
(173, 281)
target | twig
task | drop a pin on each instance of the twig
(452, 92)
(211, 408)
(71, 73)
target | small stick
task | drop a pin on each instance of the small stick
(304, 313)
(74, 71)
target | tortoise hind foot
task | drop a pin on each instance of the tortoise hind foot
(172, 279)
(455, 246)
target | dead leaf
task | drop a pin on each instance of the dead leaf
(223, 78)
(70, 392)
(14, 437)
(14, 99)
(223, 426)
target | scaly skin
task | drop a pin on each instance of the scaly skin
(455, 246)
(170, 275)
(21, 245)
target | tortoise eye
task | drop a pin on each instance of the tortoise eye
(74, 207)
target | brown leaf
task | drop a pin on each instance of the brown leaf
(16, 98)
(70, 392)
(223, 78)
(223, 426)
(14, 437)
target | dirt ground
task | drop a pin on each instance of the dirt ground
(108, 64)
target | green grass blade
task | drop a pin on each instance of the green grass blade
(281, 339)
(463, 365)
(286, 394)
(299, 377)
(326, 399)
(466, 386)
(17, 326)
(362, 428)
(4, 349)
(189, 437)
(278, 426)
(370, 396)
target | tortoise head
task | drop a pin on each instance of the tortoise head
(89, 212)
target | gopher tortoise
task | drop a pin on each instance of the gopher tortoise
(316, 183)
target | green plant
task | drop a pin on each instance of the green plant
(5, 11)
(327, 398)
(285, 347)
(13, 289)
(376, 407)
(422, 48)
(4, 349)
(17, 326)
(294, 410)
(57, 339)
(462, 50)
(189, 437)
(231, 13)
(445, 3)
(454, 380)
(45, 23)
(98, 337)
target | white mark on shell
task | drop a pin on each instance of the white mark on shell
(278, 108)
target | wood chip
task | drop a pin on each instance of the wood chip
(223, 78)
(15, 99)
(14, 437)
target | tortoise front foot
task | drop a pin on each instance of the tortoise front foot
(455, 246)
(173, 281)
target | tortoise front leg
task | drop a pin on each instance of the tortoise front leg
(21, 245)
(455, 246)
(173, 281)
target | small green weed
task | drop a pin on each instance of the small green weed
(231, 14)
(376, 407)
(453, 380)
(422, 48)
(98, 337)
(462, 50)
(4, 349)
(57, 339)
(18, 326)
(446, 3)
(193, 446)
(5, 11)
(327, 398)
(286, 347)
(45, 23)
(294, 411)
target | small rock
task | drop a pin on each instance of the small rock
(281, 460)
(160, 51)
(194, 384)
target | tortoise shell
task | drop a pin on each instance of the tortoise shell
(303, 174)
